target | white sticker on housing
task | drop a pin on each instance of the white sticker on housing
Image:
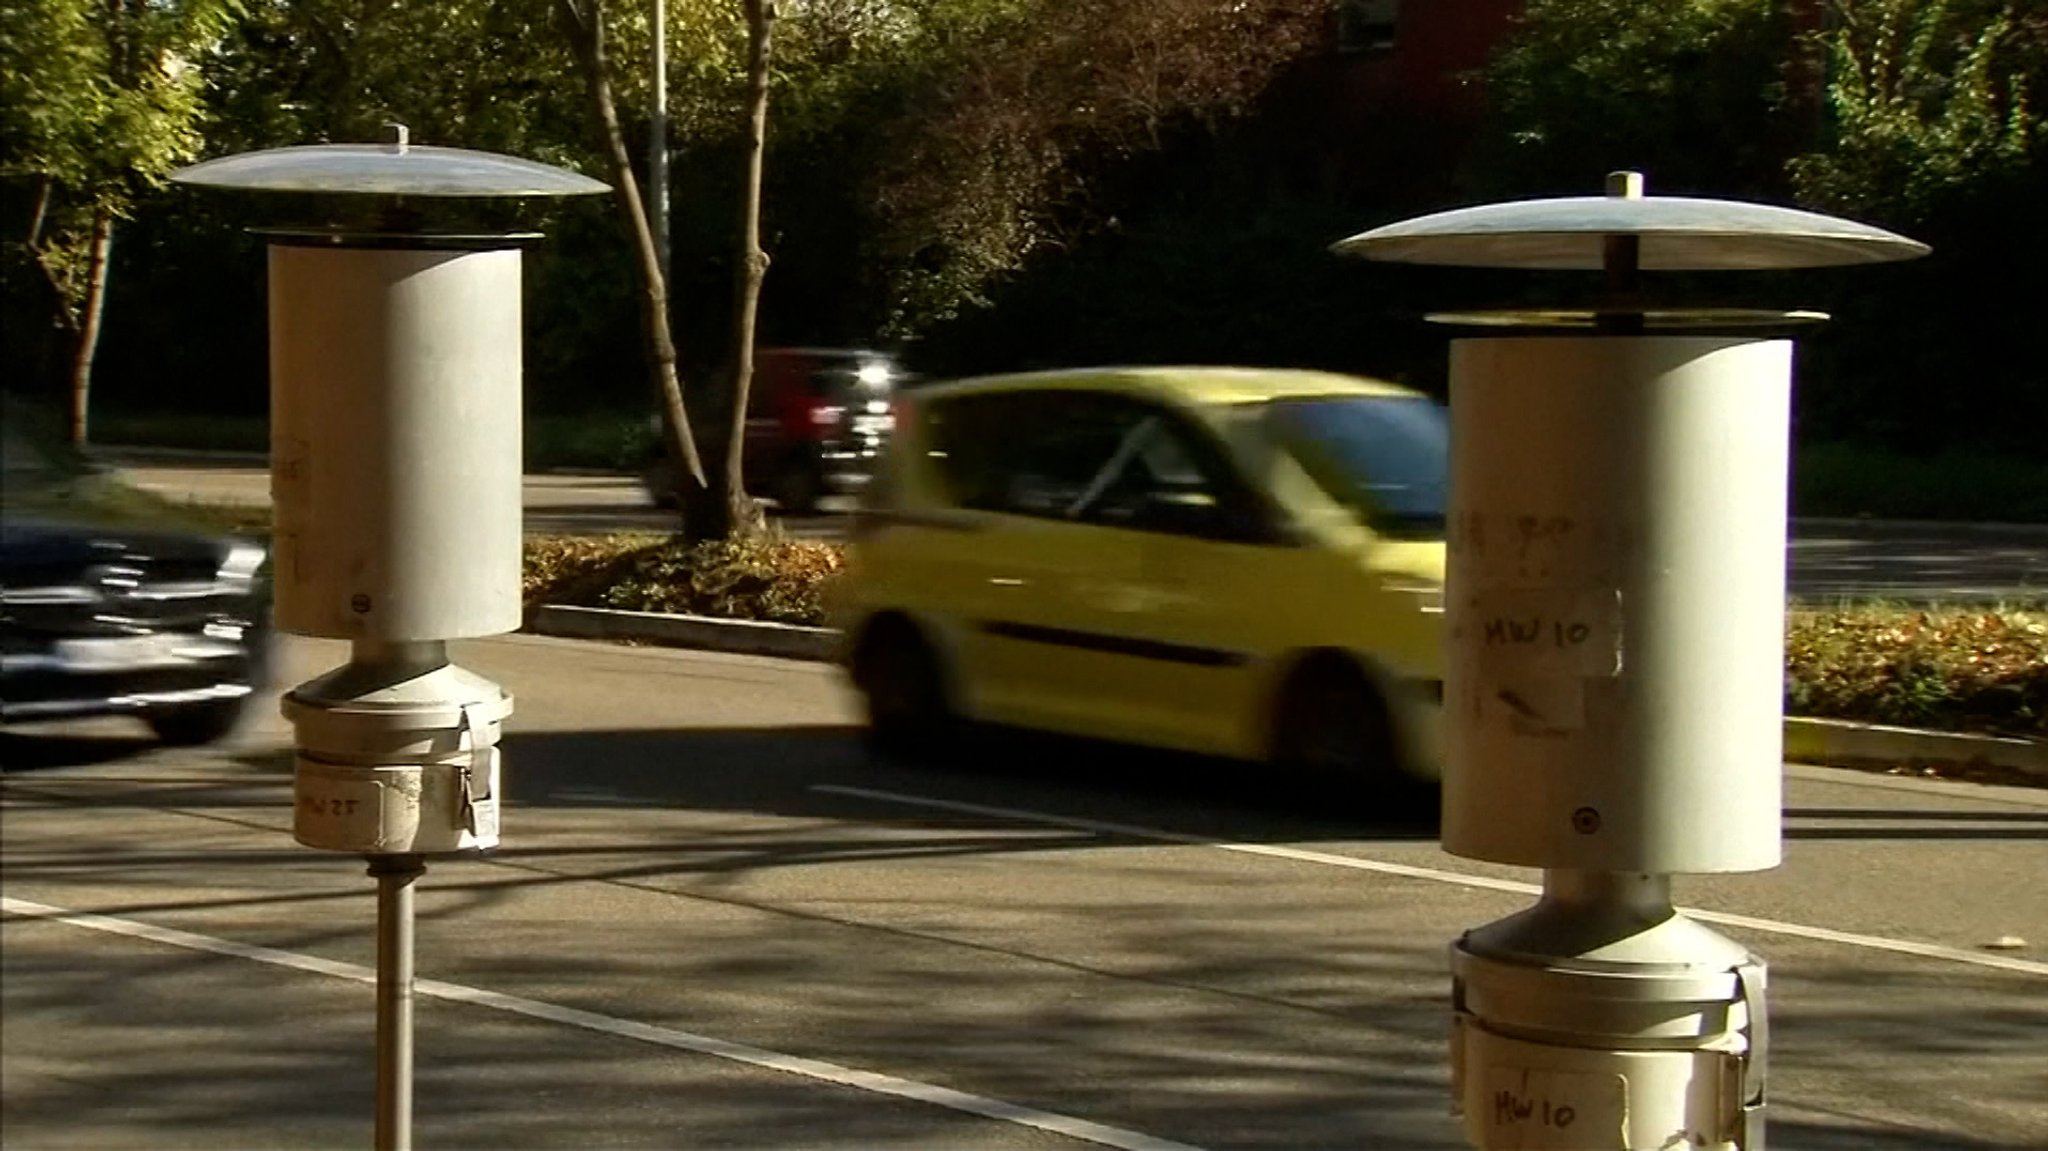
(1532, 1110)
(339, 811)
(1540, 631)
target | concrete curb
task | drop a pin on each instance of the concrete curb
(134, 456)
(1842, 743)
(741, 637)
(129, 455)
(1828, 742)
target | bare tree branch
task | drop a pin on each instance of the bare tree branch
(102, 245)
(45, 188)
(585, 25)
(753, 262)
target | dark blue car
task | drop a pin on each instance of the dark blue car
(106, 609)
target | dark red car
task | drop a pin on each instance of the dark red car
(817, 419)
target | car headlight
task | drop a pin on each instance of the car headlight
(242, 562)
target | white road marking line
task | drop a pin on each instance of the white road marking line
(996, 1109)
(1436, 875)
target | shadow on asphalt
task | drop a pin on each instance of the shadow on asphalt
(34, 751)
(778, 771)
(1833, 1024)
(206, 1061)
(1933, 824)
(1920, 832)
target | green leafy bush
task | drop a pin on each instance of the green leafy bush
(773, 579)
(1959, 669)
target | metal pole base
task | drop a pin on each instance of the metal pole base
(395, 875)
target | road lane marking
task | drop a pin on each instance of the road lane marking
(833, 1073)
(1434, 875)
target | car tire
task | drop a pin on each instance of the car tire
(1332, 728)
(904, 688)
(196, 725)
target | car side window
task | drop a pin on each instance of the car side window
(1089, 458)
(1168, 479)
(1026, 453)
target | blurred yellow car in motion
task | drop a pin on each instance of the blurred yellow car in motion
(1241, 562)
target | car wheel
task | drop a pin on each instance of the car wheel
(905, 691)
(798, 489)
(1332, 728)
(199, 723)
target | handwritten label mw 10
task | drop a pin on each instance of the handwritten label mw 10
(1561, 634)
(1510, 1108)
(1552, 631)
(1554, 1110)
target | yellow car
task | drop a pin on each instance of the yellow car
(1243, 562)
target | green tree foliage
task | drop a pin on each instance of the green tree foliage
(1015, 111)
(924, 150)
(1913, 114)
(1931, 130)
(1005, 181)
(99, 103)
(1928, 102)
(462, 73)
(1691, 92)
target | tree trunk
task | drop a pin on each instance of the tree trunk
(586, 35)
(89, 324)
(753, 262)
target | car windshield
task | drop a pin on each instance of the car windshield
(1387, 458)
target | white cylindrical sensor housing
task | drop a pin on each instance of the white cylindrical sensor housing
(1615, 602)
(395, 441)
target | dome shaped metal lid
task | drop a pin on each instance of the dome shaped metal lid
(396, 169)
(1671, 233)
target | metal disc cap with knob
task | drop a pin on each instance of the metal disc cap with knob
(399, 168)
(1671, 234)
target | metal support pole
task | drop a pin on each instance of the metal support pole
(657, 145)
(1645, 897)
(395, 875)
(1621, 260)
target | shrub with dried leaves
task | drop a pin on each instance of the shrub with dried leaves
(1958, 669)
(773, 579)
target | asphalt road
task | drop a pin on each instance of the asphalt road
(1827, 559)
(716, 923)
